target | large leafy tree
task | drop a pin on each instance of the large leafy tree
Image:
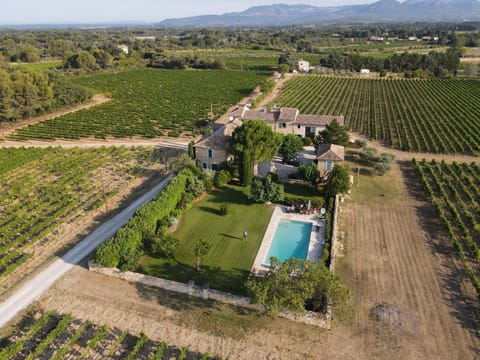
(338, 181)
(265, 190)
(291, 146)
(253, 142)
(309, 173)
(333, 134)
(293, 284)
(6, 93)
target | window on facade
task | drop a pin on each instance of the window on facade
(283, 125)
(214, 167)
(329, 165)
(210, 153)
(204, 165)
(299, 126)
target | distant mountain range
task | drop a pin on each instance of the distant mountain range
(380, 11)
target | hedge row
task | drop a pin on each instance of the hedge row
(125, 248)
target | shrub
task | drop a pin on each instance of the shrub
(223, 209)
(361, 143)
(125, 248)
(265, 190)
(165, 246)
(221, 178)
(307, 141)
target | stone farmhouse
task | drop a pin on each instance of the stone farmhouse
(211, 152)
(289, 120)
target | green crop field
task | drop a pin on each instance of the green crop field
(148, 103)
(45, 188)
(454, 190)
(50, 335)
(438, 116)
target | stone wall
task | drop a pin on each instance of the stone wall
(191, 289)
(218, 156)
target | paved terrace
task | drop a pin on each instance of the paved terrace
(317, 239)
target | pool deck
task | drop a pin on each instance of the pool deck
(317, 239)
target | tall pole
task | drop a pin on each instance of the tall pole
(103, 190)
(358, 175)
(356, 156)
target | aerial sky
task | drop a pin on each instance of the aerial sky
(95, 11)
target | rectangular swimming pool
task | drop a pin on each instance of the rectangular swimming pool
(291, 239)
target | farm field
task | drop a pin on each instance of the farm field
(436, 116)
(49, 335)
(148, 103)
(454, 190)
(47, 191)
(396, 256)
(228, 264)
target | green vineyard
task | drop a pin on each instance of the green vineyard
(437, 116)
(148, 103)
(53, 336)
(45, 188)
(455, 193)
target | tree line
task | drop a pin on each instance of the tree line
(26, 92)
(434, 63)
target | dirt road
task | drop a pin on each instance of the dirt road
(34, 288)
(91, 143)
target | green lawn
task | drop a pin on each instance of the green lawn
(228, 263)
(304, 192)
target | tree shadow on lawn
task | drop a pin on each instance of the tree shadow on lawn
(230, 281)
(464, 307)
(230, 236)
(210, 210)
(231, 195)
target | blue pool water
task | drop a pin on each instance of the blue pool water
(291, 239)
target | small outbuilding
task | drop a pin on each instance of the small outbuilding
(327, 156)
(124, 48)
(304, 66)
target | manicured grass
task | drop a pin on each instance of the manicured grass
(302, 192)
(229, 261)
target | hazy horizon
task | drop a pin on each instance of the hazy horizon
(124, 11)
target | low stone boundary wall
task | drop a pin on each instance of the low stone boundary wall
(334, 233)
(191, 289)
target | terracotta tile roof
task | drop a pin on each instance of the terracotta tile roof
(319, 120)
(288, 114)
(214, 142)
(259, 115)
(221, 137)
(238, 112)
(330, 152)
